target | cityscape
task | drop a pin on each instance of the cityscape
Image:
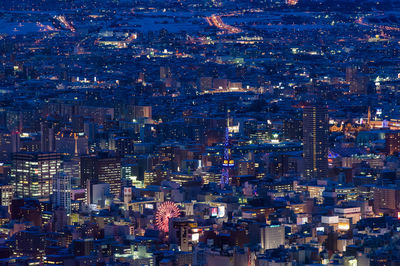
(200, 132)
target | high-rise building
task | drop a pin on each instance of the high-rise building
(33, 174)
(30, 242)
(47, 140)
(71, 167)
(62, 192)
(149, 178)
(272, 236)
(386, 199)
(9, 143)
(102, 169)
(315, 141)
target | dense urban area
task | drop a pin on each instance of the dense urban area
(200, 132)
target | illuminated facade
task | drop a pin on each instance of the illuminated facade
(149, 178)
(7, 193)
(182, 178)
(272, 236)
(33, 174)
(102, 169)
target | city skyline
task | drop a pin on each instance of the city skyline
(202, 133)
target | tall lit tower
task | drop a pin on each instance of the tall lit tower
(228, 163)
(315, 138)
(62, 192)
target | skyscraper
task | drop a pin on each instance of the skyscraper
(272, 236)
(102, 169)
(315, 139)
(62, 192)
(47, 140)
(33, 173)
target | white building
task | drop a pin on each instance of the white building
(272, 236)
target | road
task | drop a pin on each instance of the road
(216, 20)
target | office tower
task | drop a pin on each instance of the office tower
(272, 236)
(386, 199)
(71, 167)
(102, 169)
(33, 174)
(315, 141)
(9, 143)
(62, 192)
(30, 243)
(47, 141)
(124, 145)
(130, 175)
(150, 178)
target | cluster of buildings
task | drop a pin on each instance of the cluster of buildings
(199, 133)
